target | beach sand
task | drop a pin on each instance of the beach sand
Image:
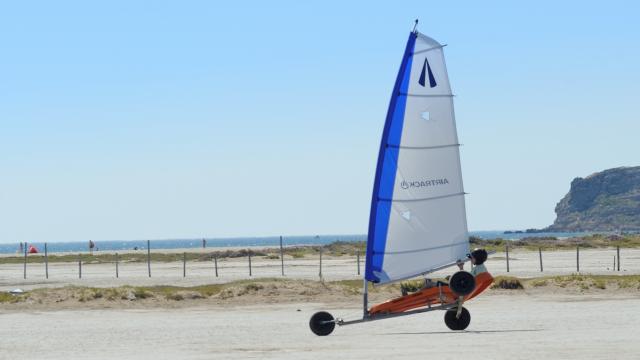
(547, 322)
(505, 325)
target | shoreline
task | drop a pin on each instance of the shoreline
(310, 240)
(208, 249)
(496, 244)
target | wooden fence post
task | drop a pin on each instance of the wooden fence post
(618, 252)
(79, 266)
(358, 261)
(249, 252)
(320, 273)
(281, 257)
(215, 262)
(540, 254)
(184, 264)
(46, 262)
(149, 257)
(117, 275)
(24, 272)
(507, 251)
(578, 258)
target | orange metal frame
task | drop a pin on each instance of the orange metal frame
(432, 296)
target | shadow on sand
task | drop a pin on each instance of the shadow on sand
(464, 332)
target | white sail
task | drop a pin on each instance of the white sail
(418, 218)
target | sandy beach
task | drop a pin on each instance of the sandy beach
(503, 327)
(271, 320)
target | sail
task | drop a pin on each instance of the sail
(418, 218)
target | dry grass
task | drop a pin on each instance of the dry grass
(600, 282)
(507, 283)
(539, 282)
(7, 298)
(553, 243)
(238, 292)
(284, 290)
(574, 281)
(338, 248)
(411, 285)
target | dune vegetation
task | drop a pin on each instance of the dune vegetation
(553, 243)
(337, 249)
(272, 290)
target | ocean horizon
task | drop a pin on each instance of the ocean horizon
(196, 243)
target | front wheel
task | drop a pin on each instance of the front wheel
(322, 323)
(457, 323)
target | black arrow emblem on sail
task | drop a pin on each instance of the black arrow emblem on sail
(426, 69)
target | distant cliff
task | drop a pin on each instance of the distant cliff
(605, 201)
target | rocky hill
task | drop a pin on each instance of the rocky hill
(605, 201)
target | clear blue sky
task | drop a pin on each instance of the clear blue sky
(187, 119)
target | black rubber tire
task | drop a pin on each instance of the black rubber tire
(462, 283)
(454, 323)
(319, 325)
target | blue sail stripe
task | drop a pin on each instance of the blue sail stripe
(387, 167)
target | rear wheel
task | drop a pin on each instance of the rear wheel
(462, 283)
(322, 323)
(457, 323)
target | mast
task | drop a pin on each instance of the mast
(365, 285)
(365, 299)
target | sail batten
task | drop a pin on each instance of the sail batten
(423, 147)
(423, 250)
(423, 199)
(423, 95)
(418, 216)
(430, 49)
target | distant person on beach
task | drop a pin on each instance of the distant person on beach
(21, 248)
(91, 246)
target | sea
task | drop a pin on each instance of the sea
(114, 245)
